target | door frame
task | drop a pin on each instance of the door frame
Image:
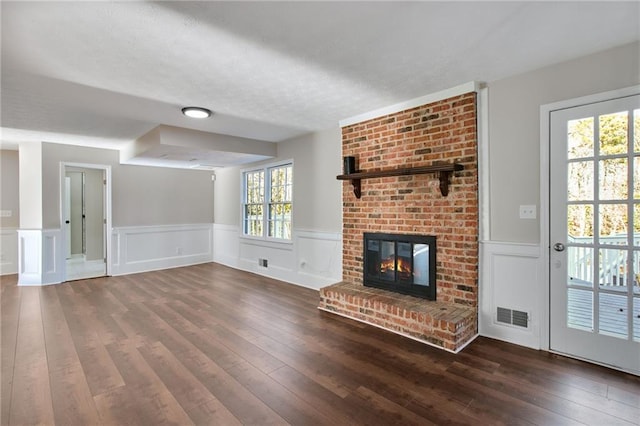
(107, 211)
(545, 182)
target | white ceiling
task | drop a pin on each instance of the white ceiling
(104, 74)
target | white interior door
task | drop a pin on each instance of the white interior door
(595, 232)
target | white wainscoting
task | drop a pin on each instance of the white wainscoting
(226, 245)
(148, 248)
(40, 256)
(8, 251)
(511, 277)
(319, 258)
(313, 259)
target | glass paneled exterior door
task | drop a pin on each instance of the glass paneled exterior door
(595, 232)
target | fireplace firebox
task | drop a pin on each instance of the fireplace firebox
(401, 263)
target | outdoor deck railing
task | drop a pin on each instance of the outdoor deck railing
(613, 261)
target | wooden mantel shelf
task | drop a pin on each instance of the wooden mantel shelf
(444, 173)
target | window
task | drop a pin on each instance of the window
(268, 201)
(254, 203)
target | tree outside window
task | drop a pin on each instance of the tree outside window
(281, 179)
(610, 143)
(254, 203)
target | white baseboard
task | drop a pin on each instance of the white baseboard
(149, 248)
(510, 277)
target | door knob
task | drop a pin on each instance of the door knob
(558, 247)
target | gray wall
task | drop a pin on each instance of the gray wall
(76, 202)
(514, 129)
(317, 195)
(94, 207)
(141, 196)
(317, 160)
(227, 197)
(161, 196)
(52, 156)
(9, 184)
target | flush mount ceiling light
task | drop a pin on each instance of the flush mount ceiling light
(196, 112)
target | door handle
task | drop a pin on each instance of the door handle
(558, 247)
(66, 221)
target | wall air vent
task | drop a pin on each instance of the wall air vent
(519, 318)
(513, 317)
(504, 315)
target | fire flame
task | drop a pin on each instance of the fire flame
(403, 266)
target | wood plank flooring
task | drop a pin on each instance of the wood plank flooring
(208, 344)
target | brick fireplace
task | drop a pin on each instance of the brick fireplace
(428, 135)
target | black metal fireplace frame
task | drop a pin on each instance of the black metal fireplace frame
(427, 292)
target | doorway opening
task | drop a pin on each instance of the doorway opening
(86, 219)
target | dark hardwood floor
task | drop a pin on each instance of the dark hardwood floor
(207, 344)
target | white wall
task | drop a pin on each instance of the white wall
(314, 256)
(146, 248)
(512, 259)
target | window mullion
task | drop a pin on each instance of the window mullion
(267, 204)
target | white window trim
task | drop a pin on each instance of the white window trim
(265, 168)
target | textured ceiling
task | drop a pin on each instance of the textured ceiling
(103, 74)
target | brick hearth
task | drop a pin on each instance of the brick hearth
(443, 131)
(435, 323)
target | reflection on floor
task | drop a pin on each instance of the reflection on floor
(78, 268)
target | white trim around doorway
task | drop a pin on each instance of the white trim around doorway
(107, 207)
